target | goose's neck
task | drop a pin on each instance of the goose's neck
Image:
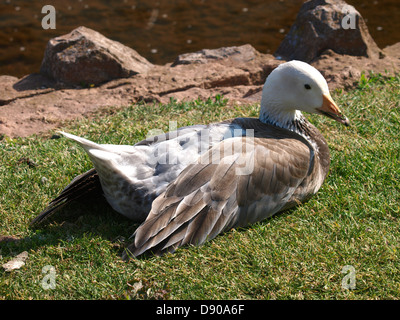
(286, 119)
(291, 120)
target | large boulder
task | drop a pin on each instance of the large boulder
(327, 24)
(85, 57)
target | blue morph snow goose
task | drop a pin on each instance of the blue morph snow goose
(189, 185)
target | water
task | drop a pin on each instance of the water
(160, 30)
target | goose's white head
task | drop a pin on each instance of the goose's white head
(293, 87)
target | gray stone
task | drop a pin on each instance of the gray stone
(327, 24)
(85, 57)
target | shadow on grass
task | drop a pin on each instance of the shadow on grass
(93, 218)
(74, 221)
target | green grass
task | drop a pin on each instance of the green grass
(353, 220)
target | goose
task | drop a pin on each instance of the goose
(189, 185)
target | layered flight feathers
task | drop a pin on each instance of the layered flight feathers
(247, 184)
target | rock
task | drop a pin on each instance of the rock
(85, 57)
(238, 54)
(327, 24)
(393, 50)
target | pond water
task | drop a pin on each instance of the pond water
(160, 30)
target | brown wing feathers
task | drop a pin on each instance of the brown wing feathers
(184, 213)
(205, 198)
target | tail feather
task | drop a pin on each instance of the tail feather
(106, 158)
(84, 185)
(112, 164)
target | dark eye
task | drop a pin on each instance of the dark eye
(307, 86)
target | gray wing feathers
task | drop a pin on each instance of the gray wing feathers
(207, 199)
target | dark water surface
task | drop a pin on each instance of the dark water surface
(160, 30)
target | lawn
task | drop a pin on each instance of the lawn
(351, 224)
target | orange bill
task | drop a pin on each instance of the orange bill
(330, 109)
